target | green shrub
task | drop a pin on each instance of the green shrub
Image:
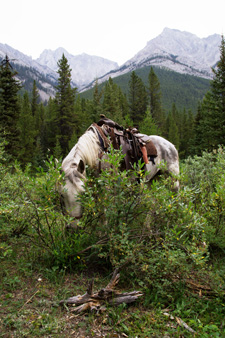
(205, 175)
(156, 237)
(30, 210)
(153, 235)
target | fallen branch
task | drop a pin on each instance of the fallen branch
(182, 323)
(97, 301)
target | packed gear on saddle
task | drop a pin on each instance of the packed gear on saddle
(108, 122)
(129, 140)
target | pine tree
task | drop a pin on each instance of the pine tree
(120, 117)
(57, 150)
(96, 103)
(50, 128)
(198, 144)
(114, 102)
(65, 98)
(27, 132)
(9, 106)
(190, 133)
(34, 99)
(39, 135)
(155, 100)
(186, 133)
(148, 125)
(110, 100)
(137, 99)
(35, 108)
(80, 120)
(211, 118)
(172, 130)
(85, 108)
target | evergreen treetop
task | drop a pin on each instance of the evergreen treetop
(65, 98)
(210, 120)
(10, 108)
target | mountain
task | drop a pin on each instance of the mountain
(186, 91)
(181, 52)
(30, 70)
(85, 68)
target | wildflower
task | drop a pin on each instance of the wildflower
(78, 257)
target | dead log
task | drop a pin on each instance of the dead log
(98, 301)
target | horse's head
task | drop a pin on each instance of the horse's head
(85, 152)
(74, 184)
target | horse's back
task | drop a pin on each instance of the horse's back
(167, 148)
(166, 152)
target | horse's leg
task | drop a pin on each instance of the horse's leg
(173, 170)
(154, 173)
(151, 170)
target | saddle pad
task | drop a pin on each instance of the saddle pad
(151, 149)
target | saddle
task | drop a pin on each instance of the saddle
(134, 146)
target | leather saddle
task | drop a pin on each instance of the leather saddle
(134, 146)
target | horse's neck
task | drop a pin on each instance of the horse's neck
(88, 148)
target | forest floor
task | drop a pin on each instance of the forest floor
(29, 307)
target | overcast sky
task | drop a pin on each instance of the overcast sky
(113, 29)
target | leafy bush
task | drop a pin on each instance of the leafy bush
(205, 176)
(154, 235)
(30, 211)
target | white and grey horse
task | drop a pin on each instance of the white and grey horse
(89, 150)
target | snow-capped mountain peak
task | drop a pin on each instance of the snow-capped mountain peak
(184, 48)
(85, 68)
(180, 51)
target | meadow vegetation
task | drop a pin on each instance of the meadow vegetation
(169, 246)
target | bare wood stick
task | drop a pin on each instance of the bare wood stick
(96, 301)
(182, 323)
(102, 241)
(28, 300)
(114, 280)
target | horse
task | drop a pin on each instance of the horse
(90, 149)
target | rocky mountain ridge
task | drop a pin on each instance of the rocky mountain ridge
(182, 52)
(85, 68)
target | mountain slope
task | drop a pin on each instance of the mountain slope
(85, 68)
(182, 89)
(182, 52)
(186, 51)
(30, 70)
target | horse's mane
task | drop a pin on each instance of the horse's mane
(86, 149)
